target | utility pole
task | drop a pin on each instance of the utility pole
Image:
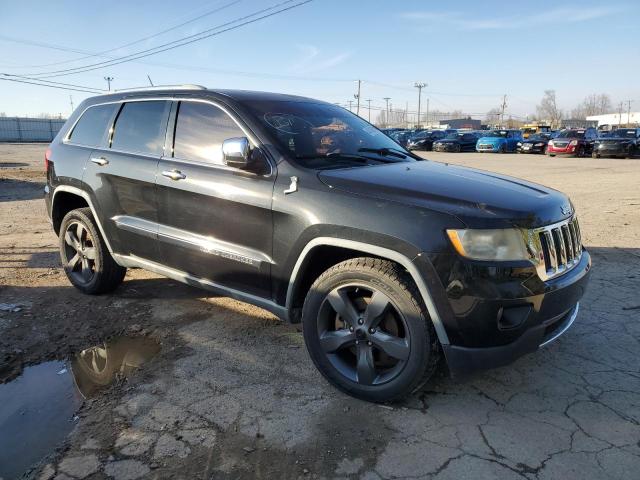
(502, 108)
(71, 102)
(109, 80)
(427, 112)
(419, 86)
(386, 99)
(357, 97)
(620, 115)
(629, 113)
(368, 100)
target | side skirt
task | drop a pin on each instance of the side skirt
(132, 261)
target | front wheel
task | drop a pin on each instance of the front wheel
(367, 330)
(85, 258)
(502, 149)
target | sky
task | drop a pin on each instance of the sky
(469, 53)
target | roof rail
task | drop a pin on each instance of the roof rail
(186, 86)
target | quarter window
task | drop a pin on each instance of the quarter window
(200, 130)
(92, 125)
(141, 127)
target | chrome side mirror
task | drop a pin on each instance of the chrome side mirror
(236, 152)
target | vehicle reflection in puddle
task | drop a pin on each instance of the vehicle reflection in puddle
(37, 409)
(98, 366)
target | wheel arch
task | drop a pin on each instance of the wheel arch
(66, 198)
(303, 273)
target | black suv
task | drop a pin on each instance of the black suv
(303, 208)
(623, 142)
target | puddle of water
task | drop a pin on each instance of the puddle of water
(37, 408)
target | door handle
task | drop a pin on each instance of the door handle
(174, 174)
(99, 161)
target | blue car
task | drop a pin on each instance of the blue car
(500, 141)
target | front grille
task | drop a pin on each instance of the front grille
(484, 146)
(558, 144)
(561, 247)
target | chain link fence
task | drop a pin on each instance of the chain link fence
(19, 129)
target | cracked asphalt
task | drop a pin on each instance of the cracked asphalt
(233, 393)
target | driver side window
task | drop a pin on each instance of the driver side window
(200, 130)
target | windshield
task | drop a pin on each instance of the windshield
(571, 134)
(624, 132)
(539, 137)
(497, 133)
(321, 135)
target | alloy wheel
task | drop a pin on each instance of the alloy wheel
(363, 334)
(80, 253)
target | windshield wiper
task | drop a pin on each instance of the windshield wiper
(385, 152)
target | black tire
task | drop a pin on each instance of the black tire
(502, 149)
(544, 150)
(580, 152)
(399, 318)
(85, 258)
(595, 155)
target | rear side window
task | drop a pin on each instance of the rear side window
(141, 127)
(92, 125)
(200, 130)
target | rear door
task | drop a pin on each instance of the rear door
(122, 176)
(214, 220)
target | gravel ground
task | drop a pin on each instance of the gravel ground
(232, 393)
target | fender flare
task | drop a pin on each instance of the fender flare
(380, 252)
(87, 198)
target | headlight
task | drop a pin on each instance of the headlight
(503, 245)
(519, 144)
(539, 144)
(573, 142)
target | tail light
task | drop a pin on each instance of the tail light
(573, 143)
(47, 159)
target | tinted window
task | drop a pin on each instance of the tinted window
(200, 131)
(92, 125)
(141, 127)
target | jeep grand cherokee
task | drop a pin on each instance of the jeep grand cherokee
(302, 208)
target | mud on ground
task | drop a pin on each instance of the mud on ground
(232, 393)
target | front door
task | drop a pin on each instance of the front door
(214, 221)
(122, 176)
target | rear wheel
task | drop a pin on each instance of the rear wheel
(502, 149)
(85, 258)
(367, 330)
(580, 152)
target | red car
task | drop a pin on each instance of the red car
(578, 142)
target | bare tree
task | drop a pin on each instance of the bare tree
(548, 108)
(594, 104)
(493, 116)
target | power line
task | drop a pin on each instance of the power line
(46, 85)
(245, 20)
(84, 87)
(103, 54)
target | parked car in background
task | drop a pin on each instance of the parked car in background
(424, 140)
(457, 142)
(499, 141)
(535, 143)
(623, 142)
(402, 136)
(533, 129)
(573, 142)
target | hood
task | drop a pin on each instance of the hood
(492, 140)
(448, 140)
(480, 199)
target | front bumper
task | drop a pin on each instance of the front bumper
(463, 360)
(447, 147)
(493, 315)
(568, 150)
(487, 147)
(532, 149)
(612, 150)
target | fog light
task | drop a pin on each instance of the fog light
(513, 317)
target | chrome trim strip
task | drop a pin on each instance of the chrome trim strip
(559, 263)
(85, 195)
(380, 252)
(565, 327)
(193, 241)
(137, 225)
(183, 277)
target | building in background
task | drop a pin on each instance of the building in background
(616, 119)
(458, 123)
